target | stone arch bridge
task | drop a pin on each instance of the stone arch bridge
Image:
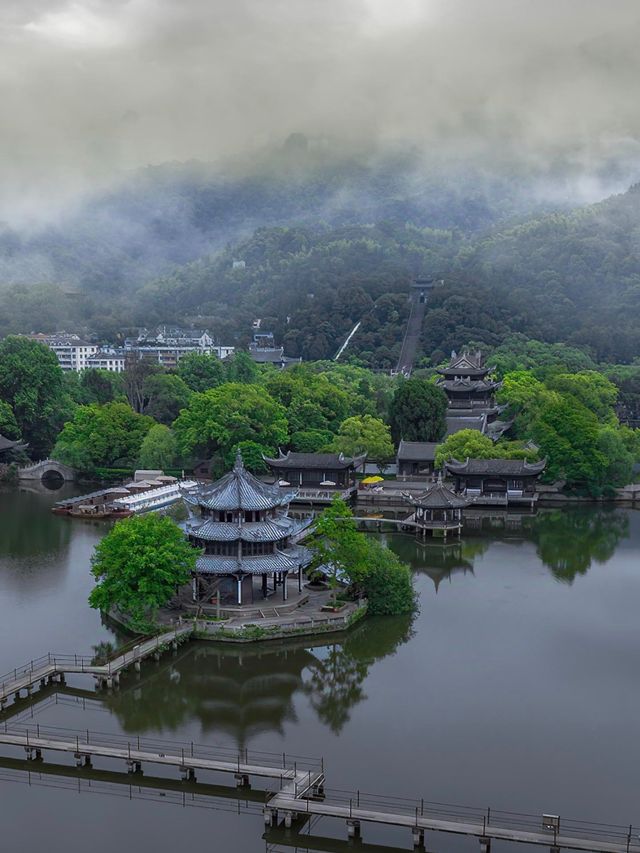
(46, 468)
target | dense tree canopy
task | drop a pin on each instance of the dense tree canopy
(366, 563)
(417, 411)
(139, 565)
(165, 395)
(159, 448)
(32, 384)
(216, 420)
(102, 436)
(365, 434)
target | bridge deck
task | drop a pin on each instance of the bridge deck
(395, 817)
(23, 678)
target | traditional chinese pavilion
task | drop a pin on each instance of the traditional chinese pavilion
(437, 510)
(471, 393)
(245, 533)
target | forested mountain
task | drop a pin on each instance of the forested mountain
(326, 247)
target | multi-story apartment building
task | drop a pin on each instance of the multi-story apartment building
(73, 353)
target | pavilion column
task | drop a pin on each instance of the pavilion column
(239, 590)
(284, 585)
(264, 586)
(299, 578)
(275, 581)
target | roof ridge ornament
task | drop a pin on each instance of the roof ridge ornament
(239, 463)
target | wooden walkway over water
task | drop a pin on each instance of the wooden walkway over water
(54, 667)
(297, 784)
(298, 791)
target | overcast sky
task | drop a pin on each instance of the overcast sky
(91, 87)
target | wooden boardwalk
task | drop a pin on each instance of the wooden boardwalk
(52, 667)
(298, 794)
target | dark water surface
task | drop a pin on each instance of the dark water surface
(517, 686)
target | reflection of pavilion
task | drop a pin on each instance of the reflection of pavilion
(440, 562)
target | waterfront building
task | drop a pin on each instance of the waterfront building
(496, 481)
(416, 459)
(245, 533)
(317, 475)
(437, 511)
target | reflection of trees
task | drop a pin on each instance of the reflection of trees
(569, 540)
(335, 683)
(242, 691)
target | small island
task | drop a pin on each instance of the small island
(227, 568)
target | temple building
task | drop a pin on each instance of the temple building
(437, 511)
(471, 393)
(245, 533)
(317, 474)
(416, 459)
(496, 481)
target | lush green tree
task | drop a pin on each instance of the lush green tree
(310, 440)
(101, 386)
(619, 467)
(8, 424)
(242, 368)
(417, 411)
(252, 456)
(366, 563)
(568, 435)
(165, 394)
(201, 372)
(159, 448)
(519, 353)
(365, 434)
(311, 400)
(32, 384)
(218, 419)
(592, 389)
(139, 565)
(102, 436)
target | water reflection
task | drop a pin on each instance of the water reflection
(570, 540)
(28, 529)
(243, 691)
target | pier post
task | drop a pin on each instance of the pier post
(137, 666)
(242, 780)
(418, 836)
(16, 696)
(133, 766)
(109, 682)
(33, 754)
(288, 819)
(116, 679)
(268, 817)
(188, 774)
(353, 828)
(485, 844)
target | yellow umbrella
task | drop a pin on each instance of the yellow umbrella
(369, 481)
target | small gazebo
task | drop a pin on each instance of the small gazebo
(438, 510)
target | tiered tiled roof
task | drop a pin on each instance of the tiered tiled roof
(237, 493)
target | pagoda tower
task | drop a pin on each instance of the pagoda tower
(245, 533)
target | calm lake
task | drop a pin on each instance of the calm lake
(516, 686)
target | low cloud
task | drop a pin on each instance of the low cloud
(92, 88)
